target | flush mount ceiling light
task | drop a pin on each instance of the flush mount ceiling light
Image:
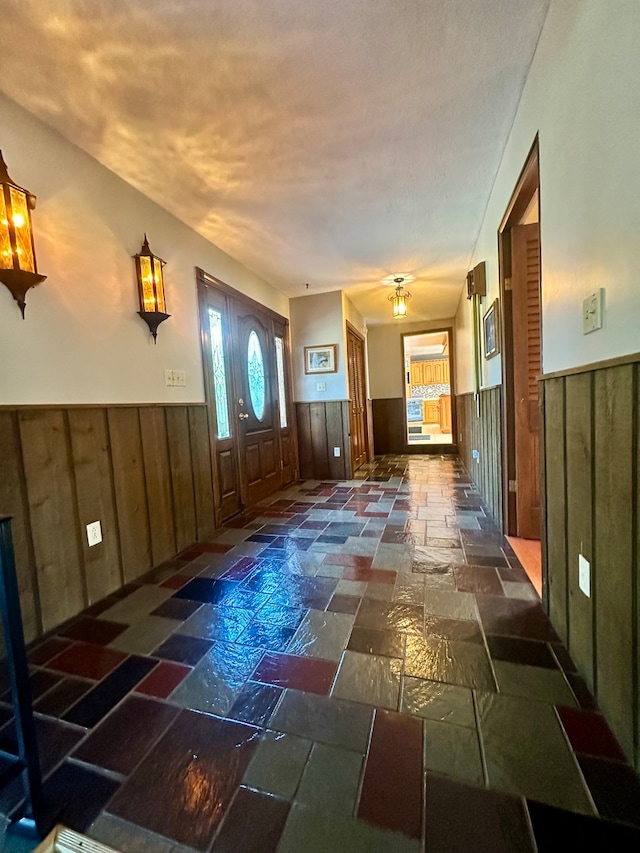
(399, 299)
(18, 269)
(150, 288)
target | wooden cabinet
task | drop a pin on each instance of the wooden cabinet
(434, 372)
(445, 413)
(431, 411)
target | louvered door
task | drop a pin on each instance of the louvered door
(525, 282)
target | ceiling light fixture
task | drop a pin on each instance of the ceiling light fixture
(18, 269)
(399, 299)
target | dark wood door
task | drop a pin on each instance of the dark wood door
(525, 283)
(358, 397)
(248, 392)
(256, 406)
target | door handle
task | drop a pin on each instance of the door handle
(243, 416)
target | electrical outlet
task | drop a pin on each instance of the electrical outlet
(584, 575)
(336, 451)
(168, 377)
(321, 386)
(94, 533)
(475, 454)
(175, 377)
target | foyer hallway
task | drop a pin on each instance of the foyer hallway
(353, 666)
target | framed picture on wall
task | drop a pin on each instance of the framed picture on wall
(322, 359)
(491, 331)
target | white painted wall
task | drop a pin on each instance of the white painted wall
(581, 96)
(316, 320)
(82, 341)
(385, 355)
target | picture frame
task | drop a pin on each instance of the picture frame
(321, 359)
(490, 322)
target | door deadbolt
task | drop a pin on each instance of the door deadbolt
(243, 416)
(240, 401)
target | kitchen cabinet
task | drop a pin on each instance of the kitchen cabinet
(445, 413)
(431, 413)
(434, 372)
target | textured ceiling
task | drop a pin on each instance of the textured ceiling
(334, 142)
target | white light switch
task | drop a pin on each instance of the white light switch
(584, 575)
(592, 312)
(336, 451)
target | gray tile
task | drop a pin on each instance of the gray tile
(277, 764)
(121, 835)
(314, 831)
(325, 719)
(520, 590)
(452, 751)
(434, 700)
(140, 603)
(379, 591)
(526, 752)
(372, 679)
(144, 636)
(331, 779)
(351, 587)
(456, 605)
(322, 634)
(533, 682)
(217, 622)
(453, 662)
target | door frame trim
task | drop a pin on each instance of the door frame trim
(432, 448)
(351, 328)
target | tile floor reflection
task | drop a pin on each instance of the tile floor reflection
(357, 665)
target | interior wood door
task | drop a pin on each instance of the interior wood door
(358, 396)
(525, 284)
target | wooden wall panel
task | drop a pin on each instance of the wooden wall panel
(202, 473)
(54, 522)
(155, 454)
(95, 495)
(636, 562)
(556, 501)
(388, 426)
(482, 432)
(13, 501)
(614, 582)
(579, 509)
(184, 508)
(130, 491)
(321, 427)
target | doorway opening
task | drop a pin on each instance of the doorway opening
(427, 386)
(520, 291)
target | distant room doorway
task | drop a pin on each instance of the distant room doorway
(427, 387)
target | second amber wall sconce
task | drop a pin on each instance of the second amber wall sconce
(18, 268)
(150, 288)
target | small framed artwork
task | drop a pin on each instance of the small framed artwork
(321, 359)
(491, 331)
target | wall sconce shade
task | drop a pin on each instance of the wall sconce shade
(150, 288)
(399, 300)
(18, 268)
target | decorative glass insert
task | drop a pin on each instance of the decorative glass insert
(255, 372)
(282, 393)
(219, 377)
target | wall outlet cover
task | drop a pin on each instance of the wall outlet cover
(321, 386)
(94, 533)
(592, 312)
(336, 451)
(584, 575)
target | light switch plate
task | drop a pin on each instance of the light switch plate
(592, 312)
(584, 575)
(94, 533)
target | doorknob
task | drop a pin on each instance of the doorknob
(243, 416)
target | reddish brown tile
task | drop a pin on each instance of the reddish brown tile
(357, 560)
(589, 734)
(87, 660)
(253, 824)
(163, 680)
(176, 582)
(241, 570)
(353, 573)
(483, 580)
(184, 786)
(392, 786)
(98, 631)
(47, 650)
(63, 696)
(314, 675)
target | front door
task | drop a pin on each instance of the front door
(247, 388)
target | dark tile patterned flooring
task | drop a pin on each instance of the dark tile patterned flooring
(353, 666)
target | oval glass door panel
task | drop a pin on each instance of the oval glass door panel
(255, 373)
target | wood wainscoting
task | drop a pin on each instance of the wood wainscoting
(144, 472)
(323, 426)
(591, 481)
(480, 429)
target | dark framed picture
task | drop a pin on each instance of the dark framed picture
(491, 330)
(321, 359)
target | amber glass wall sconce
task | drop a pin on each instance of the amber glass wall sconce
(150, 288)
(18, 269)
